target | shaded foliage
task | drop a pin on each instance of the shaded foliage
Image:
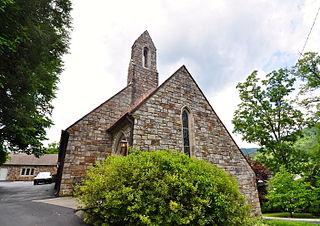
(34, 36)
(262, 177)
(310, 142)
(3, 156)
(161, 188)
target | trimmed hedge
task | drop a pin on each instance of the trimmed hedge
(161, 188)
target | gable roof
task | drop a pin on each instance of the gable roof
(31, 160)
(145, 98)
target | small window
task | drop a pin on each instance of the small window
(145, 57)
(27, 171)
(185, 132)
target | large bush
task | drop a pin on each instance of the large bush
(161, 188)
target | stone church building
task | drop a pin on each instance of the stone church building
(174, 116)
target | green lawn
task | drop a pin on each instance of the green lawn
(295, 215)
(286, 223)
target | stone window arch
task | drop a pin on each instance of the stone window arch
(145, 57)
(186, 130)
(121, 145)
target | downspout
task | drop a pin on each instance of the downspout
(61, 156)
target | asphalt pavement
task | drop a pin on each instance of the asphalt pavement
(24, 204)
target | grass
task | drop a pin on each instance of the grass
(295, 215)
(286, 223)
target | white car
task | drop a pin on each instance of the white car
(43, 177)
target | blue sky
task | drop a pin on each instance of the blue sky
(219, 41)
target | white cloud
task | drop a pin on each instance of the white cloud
(219, 41)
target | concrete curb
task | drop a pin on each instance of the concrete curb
(293, 219)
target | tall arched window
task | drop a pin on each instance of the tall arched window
(185, 131)
(145, 56)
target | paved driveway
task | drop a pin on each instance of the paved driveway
(19, 206)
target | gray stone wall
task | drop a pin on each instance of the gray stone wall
(158, 126)
(89, 141)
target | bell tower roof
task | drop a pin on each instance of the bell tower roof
(144, 38)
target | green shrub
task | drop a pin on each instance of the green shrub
(161, 188)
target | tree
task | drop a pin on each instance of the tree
(288, 194)
(34, 36)
(3, 156)
(267, 117)
(308, 69)
(161, 188)
(53, 148)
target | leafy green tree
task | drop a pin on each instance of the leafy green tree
(267, 117)
(53, 148)
(288, 194)
(34, 35)
(161, 188)
(308, 69)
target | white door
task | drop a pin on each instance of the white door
(3, 173)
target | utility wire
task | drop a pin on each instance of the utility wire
(305, 43)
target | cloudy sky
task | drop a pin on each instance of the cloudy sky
(219, 41)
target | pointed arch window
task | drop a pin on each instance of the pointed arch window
(145, 57)
(185, 131)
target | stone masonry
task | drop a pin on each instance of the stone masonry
(88, 140)
(157, 125)
(149, 117)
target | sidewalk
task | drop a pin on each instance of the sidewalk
(316, 221)
(68, 202)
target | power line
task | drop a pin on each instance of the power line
(305, 43)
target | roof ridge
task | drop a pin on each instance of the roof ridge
(97, 107)
(144, 98)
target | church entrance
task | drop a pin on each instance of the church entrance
(122, 146)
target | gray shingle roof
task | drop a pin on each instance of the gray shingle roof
(25, 159)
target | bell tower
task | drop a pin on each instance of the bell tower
(142, 73)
